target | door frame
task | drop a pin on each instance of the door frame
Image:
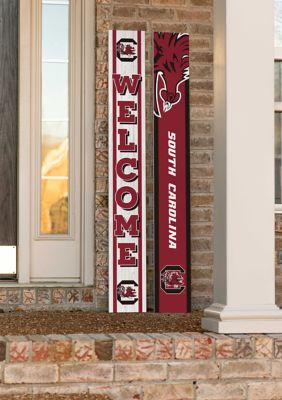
(27, 80)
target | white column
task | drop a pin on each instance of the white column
(244, 279)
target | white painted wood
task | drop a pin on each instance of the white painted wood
(278, 106)
(57, 258)
(8, 257)
(278, 53)
(244, 279)
(88, 142)
(126, 273)
(24, 212)
(278, 208)
(243, 319)
(110, 178)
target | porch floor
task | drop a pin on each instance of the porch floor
(70, 322)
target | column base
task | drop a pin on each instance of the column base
(220, 318)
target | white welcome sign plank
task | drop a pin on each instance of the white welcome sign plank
(127, 167)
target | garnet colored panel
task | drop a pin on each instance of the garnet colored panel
(172, 178)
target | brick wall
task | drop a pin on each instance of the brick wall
(190, 366)
(195, 17)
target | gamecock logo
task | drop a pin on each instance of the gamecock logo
(126, 50)
(126, 292)
(172, 279)
(171, 68)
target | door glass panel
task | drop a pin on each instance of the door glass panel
(54, 199)
(54, 90)
(278, 80)
(55, 30)
(278, 23)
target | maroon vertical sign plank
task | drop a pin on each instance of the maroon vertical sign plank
(172, 172)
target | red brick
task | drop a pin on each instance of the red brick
(202, 259)
(193, 370)
(201, 244)
(103, 346)
(19, 349)
(103, 11)
(245, 369)
(129, 372)
(263, 346)
(204, 346)
(87, 295)
(131, 1)
(200, 29)
(201, 71)
(202, 186)
(123, 347)
(124, 11)
(156, 13)
(40, 351)
(202, 200)
(60, 348)
(202, 43)
(168, 2)
(29, 296)
(193, 15)
(244, 346)
(220, 391)
(202, 2)
(168, 27)
(3, 296)
(206, 85)
(224, 346)
(58, 296)
(134, 25)
(180, 391)
(116, 392)
(163, 345)
(201, 99)
(31, 373)
(144, 346)
(201, 113)
(82, 347)
(86, 372)
(183, 346)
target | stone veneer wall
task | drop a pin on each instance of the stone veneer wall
(46, 298)
(195, 17)
(178, 366)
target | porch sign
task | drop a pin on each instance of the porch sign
(127, 184)
(172, 181)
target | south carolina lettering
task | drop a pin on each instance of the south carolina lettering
(172, 232)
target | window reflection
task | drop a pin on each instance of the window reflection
(278, 23)
(278, 80)
(55, 118)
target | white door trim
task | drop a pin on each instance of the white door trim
(27, 80)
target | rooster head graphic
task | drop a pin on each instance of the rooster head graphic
(171, 68)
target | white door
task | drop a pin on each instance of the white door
(52, 243)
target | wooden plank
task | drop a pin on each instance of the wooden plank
(172, 178)
(8, 120)
(127, 167)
